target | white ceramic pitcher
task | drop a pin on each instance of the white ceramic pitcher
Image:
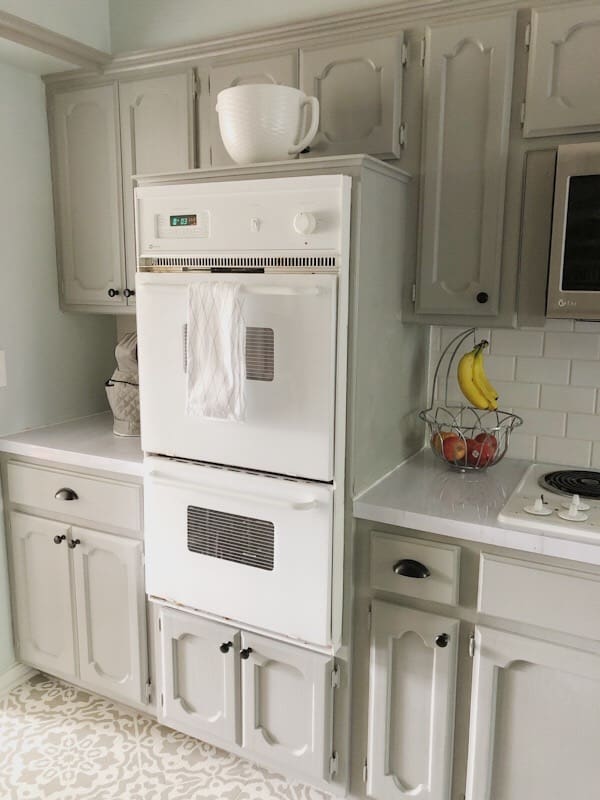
(263, 122)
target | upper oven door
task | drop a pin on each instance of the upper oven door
(574, 277)
(288, 427)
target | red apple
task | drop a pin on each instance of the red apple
(454, 449)
(481, 450)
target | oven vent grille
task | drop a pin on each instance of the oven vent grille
(239, 262)
(260, 354)
(231, 537)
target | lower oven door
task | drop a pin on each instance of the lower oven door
(249, 548)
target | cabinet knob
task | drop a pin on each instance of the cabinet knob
(482, 297)
(442, 640)
(73, 543)
(245, 653)
(113, 292)
(409, 568)
(225, 647)
(129, 293)
(66, 494)
(58, 539)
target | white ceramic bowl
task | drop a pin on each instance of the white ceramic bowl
(263, 122)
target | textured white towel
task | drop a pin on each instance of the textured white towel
(215, 366)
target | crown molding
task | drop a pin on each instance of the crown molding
(23, 32)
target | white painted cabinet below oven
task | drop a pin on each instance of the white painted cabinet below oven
(199, 677)
(42, 594)
(288, 706)
(111, 613)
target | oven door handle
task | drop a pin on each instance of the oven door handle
(307, 505)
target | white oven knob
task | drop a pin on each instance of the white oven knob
(538, 509)
(304, 222)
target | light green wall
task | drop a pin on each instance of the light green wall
(56, 362)
(144, 24)
(84, 20)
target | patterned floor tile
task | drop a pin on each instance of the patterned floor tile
(58, 742)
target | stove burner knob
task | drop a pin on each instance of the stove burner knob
(538, 509)
(304, 223)
(578, 502)
(573, 514)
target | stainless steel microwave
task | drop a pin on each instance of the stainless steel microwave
(574, 274)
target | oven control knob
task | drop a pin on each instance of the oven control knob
(304, 223)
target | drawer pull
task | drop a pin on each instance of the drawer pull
(73, 543)
(66, 494)
(409, 568)
(442, 640)
(58, 539)
(245, 653)
(225, 647)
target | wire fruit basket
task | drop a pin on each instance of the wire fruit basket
(465, 437)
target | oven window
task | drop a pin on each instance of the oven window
(581, 260)
(231, 537)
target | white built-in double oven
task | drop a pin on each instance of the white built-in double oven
(239, 513)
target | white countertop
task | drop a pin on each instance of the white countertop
(423, 494)
(86, 442)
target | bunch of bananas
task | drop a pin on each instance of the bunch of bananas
(473, 381)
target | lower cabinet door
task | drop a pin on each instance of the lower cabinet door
(199, 678)
(412, 691)
(287, 704)
(111, 613)
(43, 594)
(535, 721)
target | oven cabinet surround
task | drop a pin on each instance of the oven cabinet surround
(100, 135)
(466, 116)
(518, 718)
(251, 694)
(564, 63)
(77, 576)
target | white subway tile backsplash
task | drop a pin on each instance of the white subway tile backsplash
(517, 343)
(551, 377)
(568, 398)
(543, 370)
(585, 373)
(563, 451)
(580, 345)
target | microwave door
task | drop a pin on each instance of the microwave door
(289, 386)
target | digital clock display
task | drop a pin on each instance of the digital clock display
(181, 220)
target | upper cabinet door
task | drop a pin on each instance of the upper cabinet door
(466, 116)
(42, 594)
(287, 704)
(111, 613)
(359, 89)
(157, 135)
(281, 69)
(411, 704)
(199, 677)
(563, 79)
(535, 725)
(87, 190)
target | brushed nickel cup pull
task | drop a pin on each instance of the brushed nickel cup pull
(66, 494)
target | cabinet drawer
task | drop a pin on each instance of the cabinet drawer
(526, 592)
(441, 561)
(99, 500)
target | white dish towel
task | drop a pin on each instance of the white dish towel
(215, 351)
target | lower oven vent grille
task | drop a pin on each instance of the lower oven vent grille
(260, 354)
(239, 263)
(231, 537)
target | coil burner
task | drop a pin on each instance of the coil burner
(583, 482)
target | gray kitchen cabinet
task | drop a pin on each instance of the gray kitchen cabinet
(111, 613)
(157, 135)
(412, 688)
(466, 115)
(199, 676)
(42, 594)
(84, 128)
(280, 69)
(287, 699)
(359, 88)
(534, 719)
(564, 71)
